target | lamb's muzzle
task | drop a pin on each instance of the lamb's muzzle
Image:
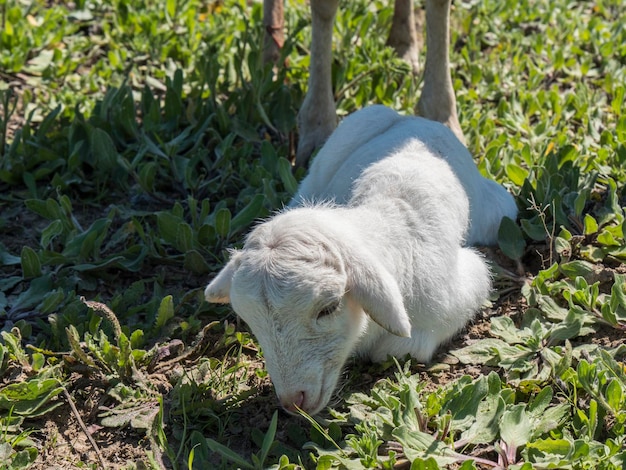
(294, 402)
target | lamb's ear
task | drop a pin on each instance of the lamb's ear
(378, 293)
(218, 290)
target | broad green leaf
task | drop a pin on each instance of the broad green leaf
(464, 404)
(31, 397)
(586, 374)
(504, 328)
(286, 175)
(617, 368)
(12, 342)
(147, 175)
(222, 222)
(103, 149)
(36, 292)
(577, 268)
(425, 464)
(605, 238)
(167, 223)
(38, 361)
(618, 293)
(515, 427)
(485, 351)
(569, 328)
(485, 428)
(579, 206)
(590, 225)
(51, 232)
(283, 110)
(136, 339)
(593, 418)
(165, 312)
(551, 309)
(86, 245)
(534, 230)
(540, 402)
(24, 458)
(561, 447)
(245, 130)
(516, 174)
(206, 235)
(510, 239)
(131, 261)
(196, 263)
(420, 445)
(40, 62)
(184, 237)
(615, 395)
(550, 419)
(31, 266)
(248, 214)
(608, 314)
(170, 7)
(563, 248)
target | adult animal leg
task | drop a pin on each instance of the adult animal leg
(403, 33)
(273, 22)
(437, 101)
(317, 118)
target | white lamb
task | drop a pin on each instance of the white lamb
(380, 271)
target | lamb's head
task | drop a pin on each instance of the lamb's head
(304, 294)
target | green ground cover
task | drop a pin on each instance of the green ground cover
(139, 140)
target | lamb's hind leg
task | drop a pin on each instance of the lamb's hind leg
(438, 102)
(317, 118)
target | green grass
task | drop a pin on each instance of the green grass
(139, 141)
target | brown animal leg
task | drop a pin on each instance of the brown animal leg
(273, 22)
(438, 101)
(317, 118)
(403, 33)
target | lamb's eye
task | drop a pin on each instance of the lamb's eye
(328, 310)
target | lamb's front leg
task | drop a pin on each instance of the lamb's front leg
(317, 118)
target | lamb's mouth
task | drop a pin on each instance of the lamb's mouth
(324, 394)
(320, 401)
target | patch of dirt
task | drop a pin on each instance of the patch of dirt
(65, 445)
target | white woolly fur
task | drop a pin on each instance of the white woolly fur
(382, 269)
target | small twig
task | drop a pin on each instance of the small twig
(347, 86)
(91, 440)
(196, 350)
(550, 234)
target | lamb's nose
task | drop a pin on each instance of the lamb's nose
(292, 402)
